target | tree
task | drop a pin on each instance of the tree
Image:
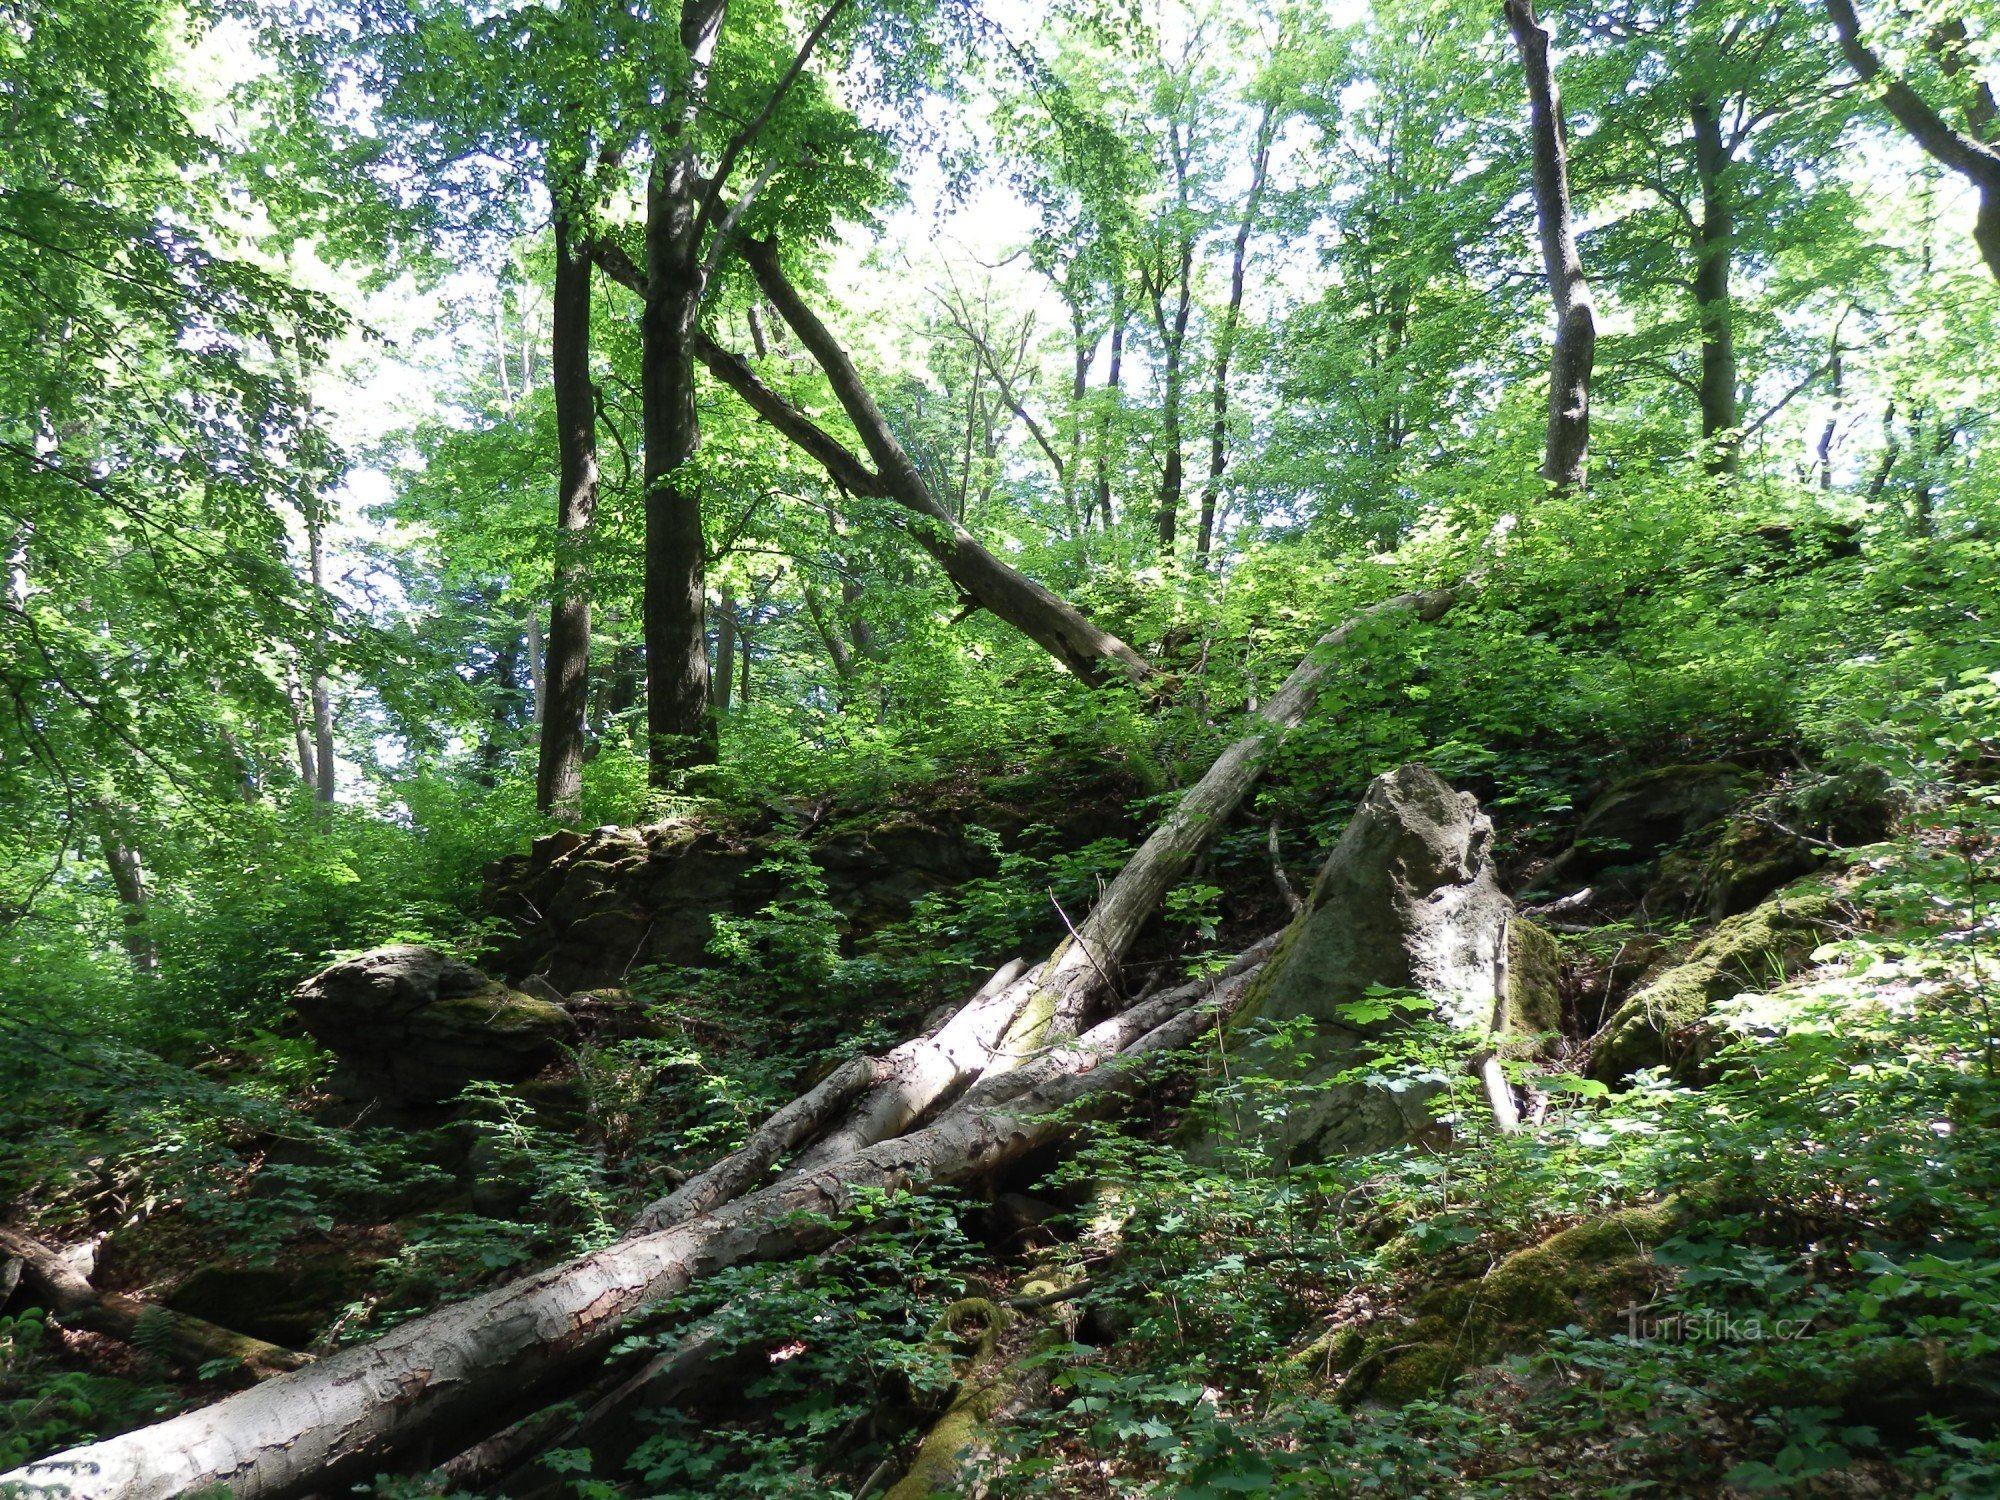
(1570, 363)
(1971, 151)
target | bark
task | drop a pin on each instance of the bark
(1172, 328)
(827, 629)
(1113, 375)
(1963, 152)
(349, 1413)
(1714, 244)
(1225, 344)
(128, 877)
(725, 650)
(680, 728)
(1085, 966)
(538, 683)
(302, 730)
(1567, 449)
(905, 1085)
(325, 777)
(73, 1301)
(564, 697)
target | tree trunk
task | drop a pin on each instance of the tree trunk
(538, 682)
(564, 697)
(1113, 374)
(1225, 343)
(349, 1413)
(1567, 448)
(302, 728)
(680, 726)
(321, 691)
(128, 878)
(725, 650)
(1714, 250)
(1964, 153)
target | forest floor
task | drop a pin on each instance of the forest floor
(1768, 1266)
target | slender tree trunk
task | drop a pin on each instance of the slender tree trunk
(1963, 152)
(1225, 343)
(302, 728)
(1113, 374)
(566, 672)
(1565, 461)
(1714, 253)
(128, 878)
(828, 631)
(1173, 337)
(725, 650)
(326, 781)
(538, 682)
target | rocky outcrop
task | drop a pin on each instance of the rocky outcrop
(586, 910)
(410, 1025)
(1408, 902)
(1665, 1022)
(1642, 816)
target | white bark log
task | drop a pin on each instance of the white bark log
(352, 1412)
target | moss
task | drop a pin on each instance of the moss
(508, 1012)
(1534, 985)
(1585, 1274)
(1748, 952)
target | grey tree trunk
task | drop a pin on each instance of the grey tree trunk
(1567, 447)
(348, 1414)
(1225, 343)
(128, 878)
(725, 650)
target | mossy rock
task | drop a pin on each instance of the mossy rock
(1534, 987)
(1751, 952)
(1586, 1275)
(1639, 817)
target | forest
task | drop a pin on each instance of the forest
(903, 748)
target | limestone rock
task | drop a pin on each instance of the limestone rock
(1408, 900)
(413, 1026)
(1662, 1022)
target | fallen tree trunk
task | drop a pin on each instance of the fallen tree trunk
(918, 1074)
(350, 1413)
(191, 1342)
(1081, 969)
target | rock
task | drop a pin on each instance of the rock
(1534, 985)
(289, 1305)
(1664, 1022)
(1800, 830)
(1590, 1275)
(1643, 815)
(412, 1026)
(1407, 900)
